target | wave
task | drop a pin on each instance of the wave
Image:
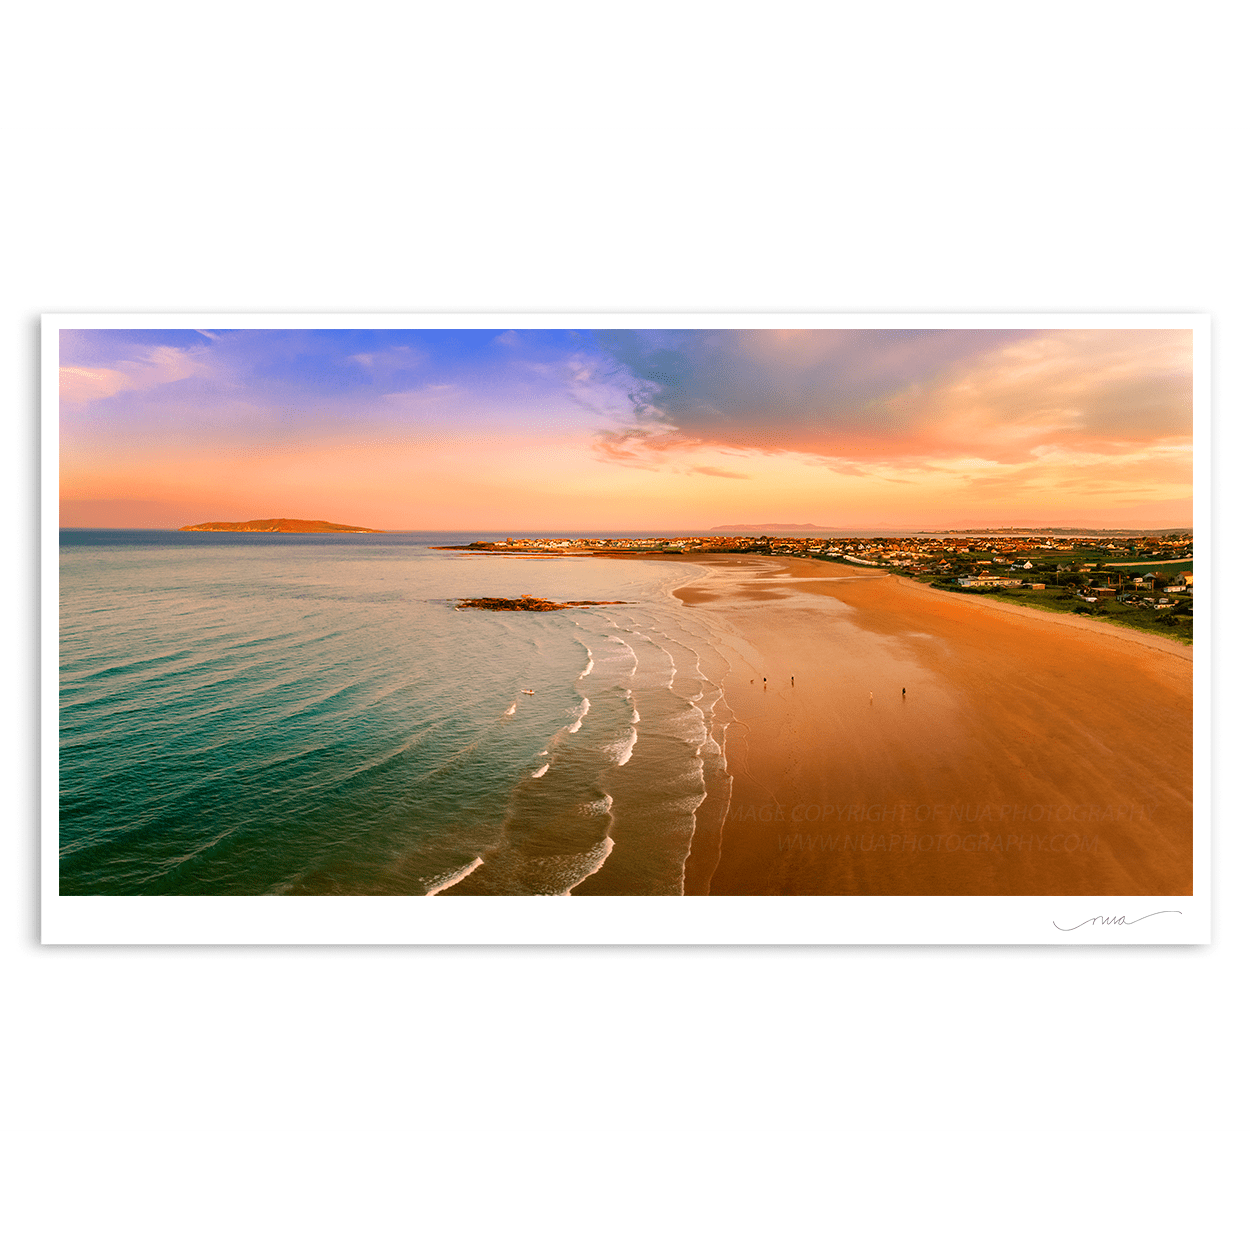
(672, 677)
(594, 861)
(540, 772)
(690, 725)
(511, 711)
(580, 713)
(451, 878)
(633, 655)
(620, 751)
(590, 663)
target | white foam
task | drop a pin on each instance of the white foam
(590, 663)
(602, 851)
(633, 655)
(634, 718)
(673, 674)
(540, 772)
(620, 751)
(457, 874)
(511, 711)
(599, 807)
(581, 716)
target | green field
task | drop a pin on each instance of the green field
(1166, 624)
(1164, 566)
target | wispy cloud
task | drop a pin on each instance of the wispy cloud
(157, 367)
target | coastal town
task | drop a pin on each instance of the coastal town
(1139, 579)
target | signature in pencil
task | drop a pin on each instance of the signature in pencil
(1114, 920)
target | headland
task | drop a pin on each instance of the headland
(1143, 582)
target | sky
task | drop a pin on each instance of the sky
(618, 430)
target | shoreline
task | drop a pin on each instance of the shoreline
(713, 559)
(1108, 628)
(1031, 754)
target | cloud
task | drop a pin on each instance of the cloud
(714, 472)
(388, 363)
(509, 338)
(157, 367)
(883, 396)
(640, 444)
(79, 384)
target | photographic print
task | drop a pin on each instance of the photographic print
(625, 629)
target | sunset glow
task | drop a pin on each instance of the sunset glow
(677, 430)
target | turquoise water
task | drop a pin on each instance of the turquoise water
(311, 714)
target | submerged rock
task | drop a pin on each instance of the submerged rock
(527, 603)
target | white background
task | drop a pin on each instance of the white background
(958, 157)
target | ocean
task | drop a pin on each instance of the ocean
(313, 714)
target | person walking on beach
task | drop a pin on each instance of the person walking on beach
(792, 681)
(904, 692)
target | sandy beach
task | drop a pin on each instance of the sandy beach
(1031, 754)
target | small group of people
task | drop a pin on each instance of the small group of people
(870, 694)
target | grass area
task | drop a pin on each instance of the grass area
(1166, 624)
(1165, 566)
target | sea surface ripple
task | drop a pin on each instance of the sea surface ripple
(311, 714)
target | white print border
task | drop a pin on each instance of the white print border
(694, 921)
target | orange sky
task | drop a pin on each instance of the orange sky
(628, 430)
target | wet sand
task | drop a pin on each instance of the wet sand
(1032, 754)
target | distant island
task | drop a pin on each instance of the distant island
(279, 525)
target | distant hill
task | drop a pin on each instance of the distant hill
(281, 525)
(764, 527)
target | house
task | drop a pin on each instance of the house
(986, 581)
